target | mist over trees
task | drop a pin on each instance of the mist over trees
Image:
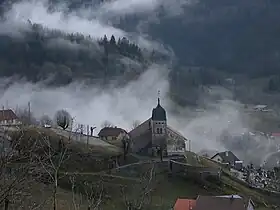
(213, 40)
(43, 54)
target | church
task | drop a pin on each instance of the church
(155, 138)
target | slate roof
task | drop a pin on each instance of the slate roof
(227, 157)
(159, 113)
(7, 115)
(219, 203)
(110, 131)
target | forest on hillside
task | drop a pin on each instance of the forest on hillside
(58, 58)
(213, 40)
(51, 54)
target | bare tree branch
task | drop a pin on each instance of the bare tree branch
(140, 197)
(106, 123)
(16, 166)
(94, 192)
(51, 162)
(135, 124)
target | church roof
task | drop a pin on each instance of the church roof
(159, 113)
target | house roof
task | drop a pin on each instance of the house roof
(219, 203)
(275, 134)
(184, 204)
(7, 114)
(229, 196)
(110, 131)
(227, 157)
(260, 106)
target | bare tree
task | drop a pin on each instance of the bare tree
(63, 119)
(26, 117)
(126, 142)
(140, 197)
(135, 124)
(106, 124)
(93, 192)
(51, 162)
(15, 168)
(46, 120)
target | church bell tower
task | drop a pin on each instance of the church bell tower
(158, 127)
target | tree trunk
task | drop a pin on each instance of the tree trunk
(6, 205)
(54, 193)
(54, 198)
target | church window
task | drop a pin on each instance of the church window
(160, 130)
(157, 130)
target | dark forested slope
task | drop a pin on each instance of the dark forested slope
(236, 36)
(41, 54)
(212, 39)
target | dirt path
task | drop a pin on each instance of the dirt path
(101, 174)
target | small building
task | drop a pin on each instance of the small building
(9, 118)
(154, 137)
(232, 202)
(223, 202)
(228, 158)
(260, 108)
(112, 133)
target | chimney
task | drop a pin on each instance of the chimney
(227, 153)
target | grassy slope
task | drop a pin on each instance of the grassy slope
(166, 190)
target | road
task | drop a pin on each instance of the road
(101, 174)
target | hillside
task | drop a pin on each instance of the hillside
(58, 58)
(85, 170)
(233, 36)
(212, 40)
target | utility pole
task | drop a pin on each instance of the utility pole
(3, 113)
(87, 135)
(29, 113)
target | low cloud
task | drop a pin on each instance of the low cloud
(93, 105)
(120, 105)
(94, 20)
(38, 12)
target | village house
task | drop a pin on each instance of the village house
(155, 138)
(224, 202)
(229, 159)
(9, 118)
(112, 133)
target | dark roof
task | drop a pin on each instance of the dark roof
(110, 131)
(7, 115)
(159, 113)
(219, 203)
(227, 157)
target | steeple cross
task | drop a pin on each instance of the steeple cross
(158, 97)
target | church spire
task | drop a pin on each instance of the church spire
(158, 97)
(159, 113)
